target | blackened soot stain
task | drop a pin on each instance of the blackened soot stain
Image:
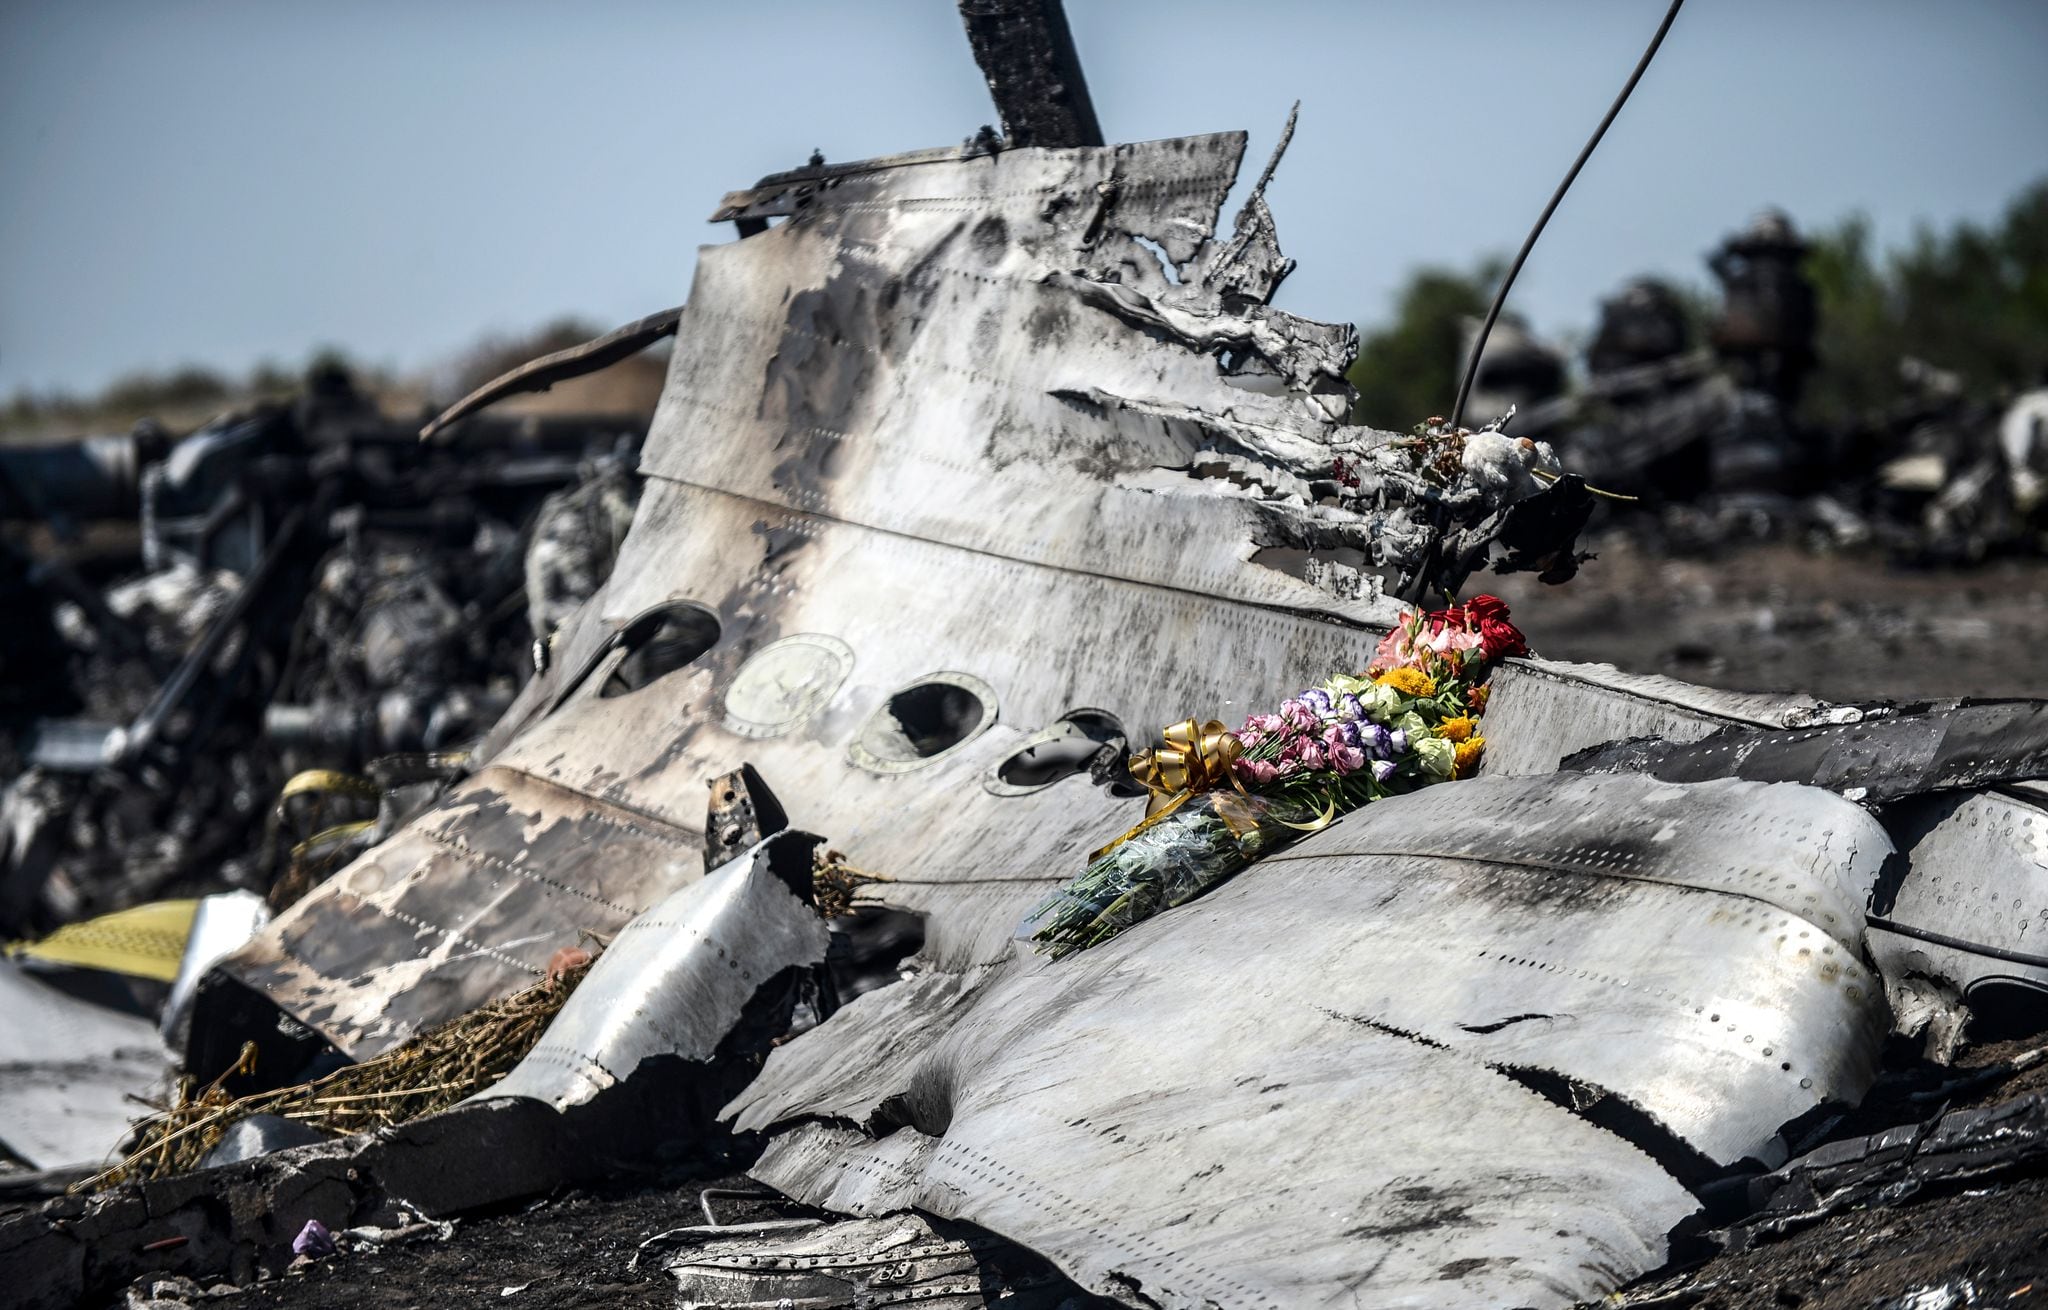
(991, 239)
(907, 302)
(1049, 322)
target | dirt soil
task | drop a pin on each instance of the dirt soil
(1767, 618)
(1983, 1247)
(565, 1252)
(1774, 618)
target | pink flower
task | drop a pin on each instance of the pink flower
(1346, 759)
(1299, 716)
(1257, 771)
(1392, 652)
(1448, 639)
(1311, 755)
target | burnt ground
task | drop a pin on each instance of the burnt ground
(1774, 618)
(1982, 1244)
(1765, 618)
(565, 1252)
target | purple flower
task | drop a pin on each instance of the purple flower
(1397, 742)
(1319, 702)
(1350, 707)
(1376, 740)
(1382, 770)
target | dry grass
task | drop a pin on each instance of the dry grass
(834, 883)
(429, 1073)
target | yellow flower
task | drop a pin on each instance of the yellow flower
(1457, 729)
(1467, 756)
(1409, 682)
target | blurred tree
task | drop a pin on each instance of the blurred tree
(499, 354)
(1408, 371)
(140, 393)
(1972, 300)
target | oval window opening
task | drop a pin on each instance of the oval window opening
(1075, 744)
(660, 642)
(924, 721)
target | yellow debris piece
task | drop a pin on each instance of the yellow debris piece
(147, 941)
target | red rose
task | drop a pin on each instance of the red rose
(1483, 608)
(1437, 620)
(1498, 638)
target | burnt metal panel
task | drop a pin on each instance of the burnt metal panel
(1877, 757)
(679, 976)
(466, 904)
(1181, 1112)
(1540, 711)
(956, 421)
(1971, 906)
(1026, 51)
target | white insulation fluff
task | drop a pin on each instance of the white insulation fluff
(1499, 465)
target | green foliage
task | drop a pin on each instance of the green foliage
(1408, 372)
(1973, 300)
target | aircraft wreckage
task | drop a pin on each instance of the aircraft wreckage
(973, 466)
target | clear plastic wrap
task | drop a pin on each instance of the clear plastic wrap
(1168, 861)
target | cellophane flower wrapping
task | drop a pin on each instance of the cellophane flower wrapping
(1168, 862)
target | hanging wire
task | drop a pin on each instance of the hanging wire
(1500, 296)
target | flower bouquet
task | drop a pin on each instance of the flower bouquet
(1166, 861)
(1224, 799)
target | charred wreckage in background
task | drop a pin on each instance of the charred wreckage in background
(971, 464)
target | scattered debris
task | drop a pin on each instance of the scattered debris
(298, 586)
(1709, 434)
(965, 446)
(71, 1072)
(853, 1263)
(314, 1241)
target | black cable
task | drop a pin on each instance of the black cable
(1500, 297)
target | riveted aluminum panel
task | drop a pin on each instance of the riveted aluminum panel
(1972, 906)
(677, 978)
(891, 426)
(1333, 1046)
(1541, 711)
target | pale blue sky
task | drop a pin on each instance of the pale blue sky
(221, 181)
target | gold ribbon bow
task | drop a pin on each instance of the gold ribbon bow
(1196, 758)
